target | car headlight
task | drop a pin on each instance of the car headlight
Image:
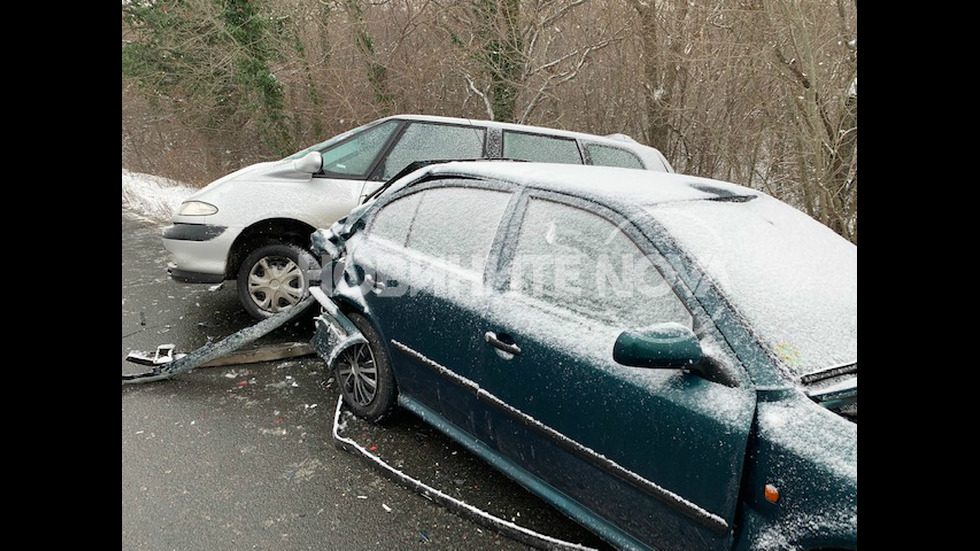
(196, 208)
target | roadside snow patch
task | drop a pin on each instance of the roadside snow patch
(152, 198)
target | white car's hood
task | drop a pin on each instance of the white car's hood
(250, 172)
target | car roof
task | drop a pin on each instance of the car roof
(628, 188)
(619, 138)
(648, 153)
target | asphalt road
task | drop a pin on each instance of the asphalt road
(242, 456)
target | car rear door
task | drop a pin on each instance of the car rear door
(656, 454)
(423, 261)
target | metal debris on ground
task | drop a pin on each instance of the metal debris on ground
(166, 365)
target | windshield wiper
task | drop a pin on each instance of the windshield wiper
(845, 391)
(840, 398)
(829, 373)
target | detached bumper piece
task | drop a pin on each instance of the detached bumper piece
(166, 365)
(334, 331)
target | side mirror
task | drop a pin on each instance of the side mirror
(663, 345)
(311, 163)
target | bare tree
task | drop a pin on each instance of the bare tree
(759, 92)
(516, 53)
(814, 47)
(662, 61)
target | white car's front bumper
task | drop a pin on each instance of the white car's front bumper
(198, 252)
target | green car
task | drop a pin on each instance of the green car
(671, 361)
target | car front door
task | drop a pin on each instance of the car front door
(656, 455)
(424, 141)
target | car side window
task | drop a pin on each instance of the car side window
(582, 262)
(537, 147)
(393, 221)
(458, 224)
(604, 155)
(354, 157)
(423, 141)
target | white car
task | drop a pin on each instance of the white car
(254, 225)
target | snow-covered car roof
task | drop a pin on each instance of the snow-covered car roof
(514, 126)
(628, 186)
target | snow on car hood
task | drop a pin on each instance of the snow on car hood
(257, 169)
(793, 279)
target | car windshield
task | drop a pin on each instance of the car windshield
(791, 278)
(323, 145)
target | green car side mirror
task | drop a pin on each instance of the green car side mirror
(664, 345)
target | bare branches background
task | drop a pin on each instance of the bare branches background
(759, 92)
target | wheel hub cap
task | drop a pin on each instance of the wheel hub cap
(275, 283)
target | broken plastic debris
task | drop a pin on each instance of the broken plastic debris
(164, 354)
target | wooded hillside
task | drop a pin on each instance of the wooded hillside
(759, 92)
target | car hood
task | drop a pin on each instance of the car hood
(250, 172)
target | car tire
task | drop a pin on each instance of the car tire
(274, 277)
(364, 375)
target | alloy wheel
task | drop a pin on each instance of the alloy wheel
(358, 373)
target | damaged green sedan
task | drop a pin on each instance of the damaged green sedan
(671, 361)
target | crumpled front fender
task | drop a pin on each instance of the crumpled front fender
(334, 332)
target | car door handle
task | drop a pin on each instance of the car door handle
(494, 341)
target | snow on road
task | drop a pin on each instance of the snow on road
(152, 198)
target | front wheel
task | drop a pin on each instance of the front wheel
(364, 373)
(273, 278)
